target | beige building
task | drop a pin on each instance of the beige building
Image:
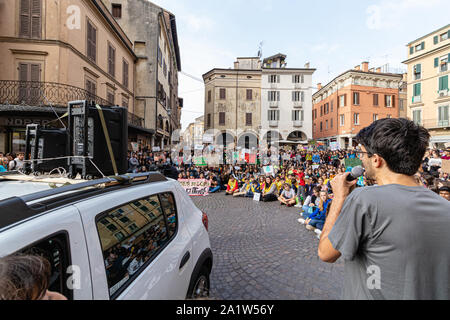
(193, 135)
(153, 32)
(233, 103)
(57, 51)
(428, 90)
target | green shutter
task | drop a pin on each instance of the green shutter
(418, 68)
(436, 62)
(417, 90)
(448, 34)
(411, 50)
(423, 45)
(445, 83)
(435, 39)
(448, 57)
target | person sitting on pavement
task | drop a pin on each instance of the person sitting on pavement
(252, 188)
(269, 190)
(317, 219)
(243, 190)
(287, 196)
(214, 184)
(311, 202)
(232, 186)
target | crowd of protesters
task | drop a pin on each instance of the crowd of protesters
(11, 161)
(299, 179)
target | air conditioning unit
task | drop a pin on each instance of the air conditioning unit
(443, 93)
(416, 99)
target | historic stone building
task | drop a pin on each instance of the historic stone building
(153, 32)
(352, 101)
(286, 95)
(233, 103)
(54, 52)
(428, 90)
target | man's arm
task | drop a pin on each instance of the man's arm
(341, 189)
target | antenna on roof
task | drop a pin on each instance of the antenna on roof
(260, 50)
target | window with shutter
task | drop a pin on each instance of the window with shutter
(435, 39)
(25, 18)
(249, 94)
(248, 119)
(111, 60)
(221, 118)
(209, 96)
(222, 94)
(436, 62)
(91, 42)
(125, 73)
(36, 19)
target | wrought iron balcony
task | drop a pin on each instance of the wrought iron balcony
(36, 93)
(43, 94)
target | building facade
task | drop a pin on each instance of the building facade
(428, 90)
(233, 103)
(352, 101)
(286, 106)
(153, 33)
(54, 52)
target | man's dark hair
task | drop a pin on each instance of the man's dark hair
(400, 142)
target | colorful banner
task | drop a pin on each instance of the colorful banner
(354, 162)
(334, 146)
(252, 159)
(200, 161)
(195, 187)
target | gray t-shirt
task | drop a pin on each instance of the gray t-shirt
(398, 235)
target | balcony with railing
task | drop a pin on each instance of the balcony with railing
(45, 94)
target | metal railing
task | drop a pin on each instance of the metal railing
(42, 94)
(36, 93)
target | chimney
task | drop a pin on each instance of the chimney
(307, 65)
(372, 70)
(379, 70)
(405, 77)
(236, 65)
(357, 68)
(319, 86)
(365, 66)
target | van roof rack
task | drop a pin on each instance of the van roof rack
(16, 209)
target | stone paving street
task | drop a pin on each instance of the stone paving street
(262, 252)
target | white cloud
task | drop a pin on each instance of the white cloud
(390, 14)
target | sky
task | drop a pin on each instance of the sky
(333, 36)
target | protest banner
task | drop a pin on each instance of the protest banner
(135, 146)
(195, 187)
(252, 159)
(256, 196)
(353, 162)
(268, 170)
(334, 146)
(446, 166)
(200, 161)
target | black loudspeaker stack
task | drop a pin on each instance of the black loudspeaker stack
(42, 146)
(88, 143)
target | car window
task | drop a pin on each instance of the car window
(168, 204)
(131, 237)
(56, 250)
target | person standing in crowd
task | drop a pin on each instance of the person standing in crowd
(383, 232)
(133, 163)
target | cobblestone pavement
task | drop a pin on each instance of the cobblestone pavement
(262, 252)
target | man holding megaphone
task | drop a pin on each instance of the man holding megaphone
(393, 236)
